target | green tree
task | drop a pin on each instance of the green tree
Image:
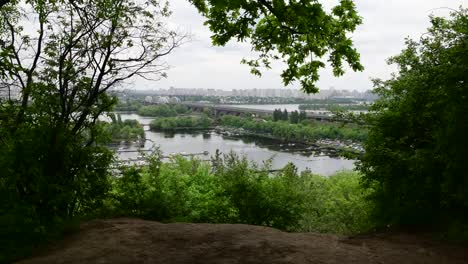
(294, 117)
(284, 116)
(128, 130)
(158, 110)
(302, 116)
(416, 157)
(277, 115)
(300, 33)
(54, 164)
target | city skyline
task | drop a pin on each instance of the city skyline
(261, 93)
(385, 26)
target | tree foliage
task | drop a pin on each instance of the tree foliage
(299, 33)
(163, 110)
(54, 165)
(175, 123)
(294, 117)
(233, 190)
(305, 131)
(416, 156)
(128, 130)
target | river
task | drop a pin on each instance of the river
(254, 148)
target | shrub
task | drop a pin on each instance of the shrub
(232, 190)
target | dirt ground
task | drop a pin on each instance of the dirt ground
(139, 241)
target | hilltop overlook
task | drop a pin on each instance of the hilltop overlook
(138, 241)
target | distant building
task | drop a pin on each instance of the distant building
(161, 95)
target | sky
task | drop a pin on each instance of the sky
(386, 24)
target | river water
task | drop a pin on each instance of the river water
(254, 148)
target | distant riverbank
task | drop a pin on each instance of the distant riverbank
(330, 147)
(256, 148)
(337, 140)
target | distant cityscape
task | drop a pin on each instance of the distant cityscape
(260, 93)
(282, 93)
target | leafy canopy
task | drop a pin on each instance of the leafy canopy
(54, 164)
(416, 155)
(300, 33)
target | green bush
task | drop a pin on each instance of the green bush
(232, 190)
(174, 123)
(337, 204)
(128, 106)
(48, 177)
(163, 110)
(128, 130)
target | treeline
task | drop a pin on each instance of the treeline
(182, 122)
(416, 154)
(163, 110)
(127, 130)
(232, 190)
(294, 117)
(305, 131)
(128, 105)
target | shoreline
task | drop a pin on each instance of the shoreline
(332, 147)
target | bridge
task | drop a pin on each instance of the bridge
(219, 110)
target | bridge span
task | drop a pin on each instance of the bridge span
(219, 110)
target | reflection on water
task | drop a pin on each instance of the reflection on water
(256, 149)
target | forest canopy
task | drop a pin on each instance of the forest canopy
(415, 155)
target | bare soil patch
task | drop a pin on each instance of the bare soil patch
(139, 241)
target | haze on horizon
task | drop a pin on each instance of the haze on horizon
(386, 24)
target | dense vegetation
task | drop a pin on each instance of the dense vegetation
(416, 156)
(128, 130)
(305, 131)
(294, 117)
(164, 110)
(55, 167)
(128, 105)
(185, 122)
(231, 190)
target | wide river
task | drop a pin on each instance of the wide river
(254, 148)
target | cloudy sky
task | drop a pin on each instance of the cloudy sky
(386, 23)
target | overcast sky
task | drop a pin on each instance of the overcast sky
(386, 23)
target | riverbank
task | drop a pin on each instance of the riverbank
(255, 148)
(329, 138)
(333, 148)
